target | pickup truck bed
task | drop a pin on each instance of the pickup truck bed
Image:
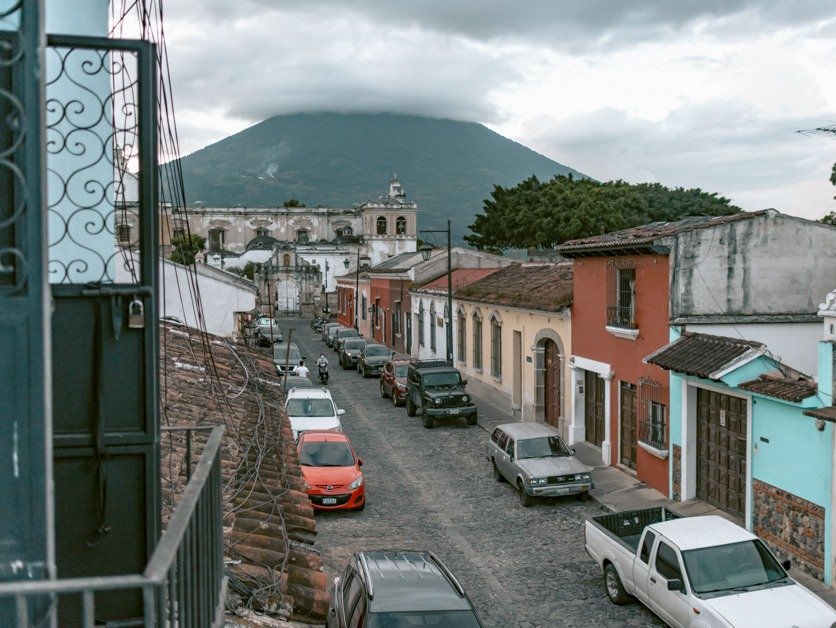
(626, 527)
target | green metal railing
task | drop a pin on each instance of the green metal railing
(183, 583)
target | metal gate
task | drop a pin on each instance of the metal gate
(721, 451)
(629, 423)
(103, 266)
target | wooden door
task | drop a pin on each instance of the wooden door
(721, 451)
(629, 421)
(551, 382)
(594, 407)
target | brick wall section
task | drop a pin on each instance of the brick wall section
(676, 488)
(793, 527)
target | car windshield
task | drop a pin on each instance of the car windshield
(400, 371)
(542, 447)
(280, 354)
(377, 350)
(442, 379)
(323, 454)
(354, 344)
(310, 407)
(297, 382)
(347, 333)
(409, 619)
(732, 567)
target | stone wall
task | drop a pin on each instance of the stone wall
(676, 483)
(793, 527)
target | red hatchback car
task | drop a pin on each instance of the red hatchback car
(333, 479)
(393, 379)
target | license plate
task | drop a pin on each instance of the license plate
(329, 501)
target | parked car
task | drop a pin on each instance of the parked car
(312, 409)
(326, 329)
(437, 389)
(331, 333)
(534, 458)
(296, 381)
(342, 335)
(698, 571)
(332, 472)
(372, 358)
(398, 588)
(267, 331)
(287, 355)
(393, 380)
(350, 351)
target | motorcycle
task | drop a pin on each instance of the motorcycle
(323, 374)
(317, 324)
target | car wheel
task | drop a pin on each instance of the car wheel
(345, 366)
(471, 419)
(361, 506)
(525, 499)
(427, 420)
(410, 407)
(364, 372)
(615, 590)
(582, 497)
(395, 401)
(496, 473)
(382, 391)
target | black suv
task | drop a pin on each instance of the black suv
(438, 390)
(398, 588)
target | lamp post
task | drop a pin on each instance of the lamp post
(426, 251)
(325, 289)
(347, 263)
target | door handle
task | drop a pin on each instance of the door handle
(653, 580)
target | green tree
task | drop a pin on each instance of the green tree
(829, 219)
(292, 202)
(543, 215)
(184, 248)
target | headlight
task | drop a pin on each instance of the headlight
(537, 481)
(356, 483)
(583, 476)
(438, 401)
(465, 398)
(307, 486)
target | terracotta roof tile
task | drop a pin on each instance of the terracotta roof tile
(703, 355)
(828, 413)
(544, 287)
(644, 235)
(269, 526)
(781, 388)
(461, 277)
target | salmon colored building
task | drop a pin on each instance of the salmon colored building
(620, 316)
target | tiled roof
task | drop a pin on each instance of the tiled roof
(828, 413)
(781, 388)
(461, 277)
(404, 261)
(645, 235)
(544, 287)
(704, 355)
(268, 520)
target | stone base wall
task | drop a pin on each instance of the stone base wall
(792, 527)
(676, 468)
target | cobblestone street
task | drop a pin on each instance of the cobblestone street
(432, 489)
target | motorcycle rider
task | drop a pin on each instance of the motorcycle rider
(322, 363)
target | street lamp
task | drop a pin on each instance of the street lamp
(325, 289)
(426, 251)
(347, 263)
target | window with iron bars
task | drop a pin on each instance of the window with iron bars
(364, 311)
(462, 337)
(432, 326)
(496, 348)
(653, 414)
(477, 342)
(421, 323)
(621, 295)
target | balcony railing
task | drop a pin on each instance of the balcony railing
(183, 583)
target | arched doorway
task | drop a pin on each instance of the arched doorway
(551, 382)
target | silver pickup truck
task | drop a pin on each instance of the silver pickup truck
(701, 572)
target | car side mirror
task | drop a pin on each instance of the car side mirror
(675, 584)
(572, 451)
(359, 462)
(340, 412)
(786, 565)
(464, 382)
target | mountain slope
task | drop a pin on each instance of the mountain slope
(339, 160)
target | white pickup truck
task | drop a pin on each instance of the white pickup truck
(699, 572)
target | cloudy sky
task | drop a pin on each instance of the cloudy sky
(703, 94)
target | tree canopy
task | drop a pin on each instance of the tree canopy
(184, 248)
(545, 214)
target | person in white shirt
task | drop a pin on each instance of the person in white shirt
(302, 370)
